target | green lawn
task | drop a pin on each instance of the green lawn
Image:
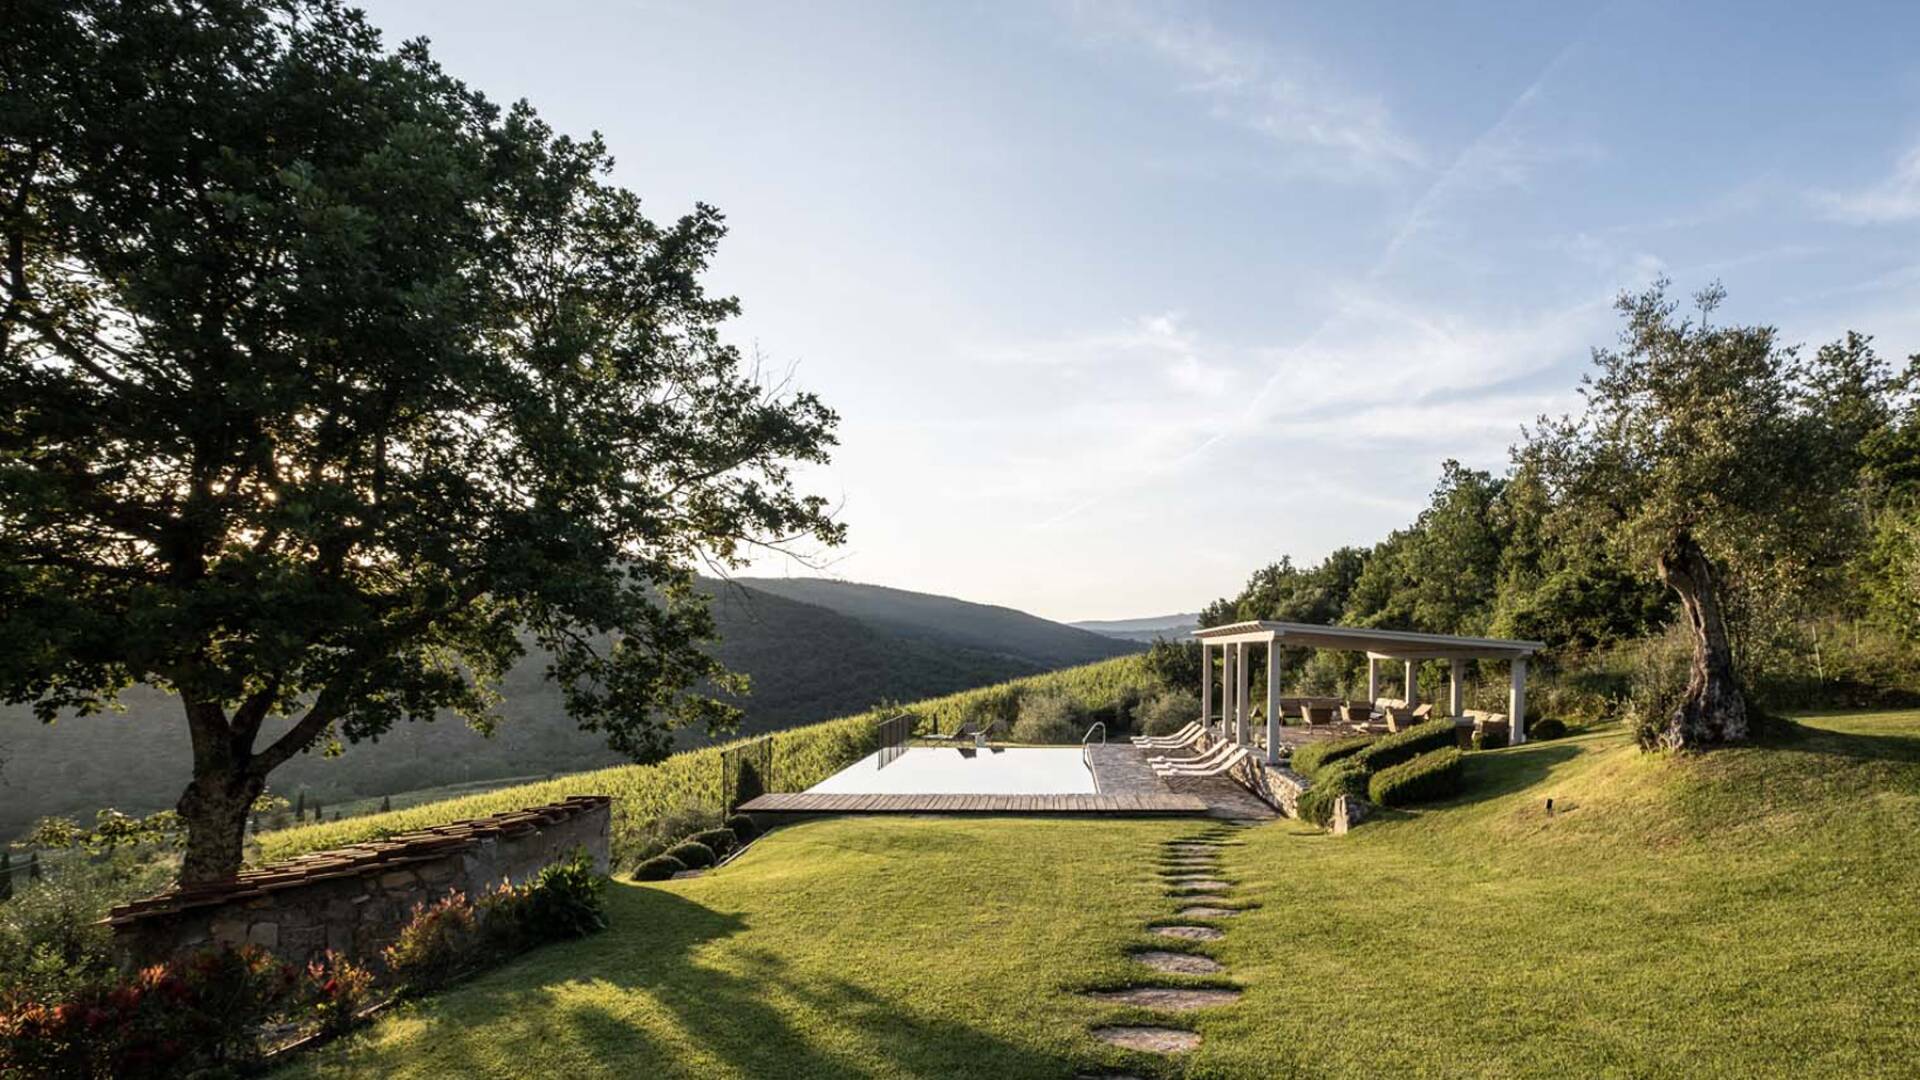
(1747, 913)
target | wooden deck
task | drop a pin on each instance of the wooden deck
(1145, 805)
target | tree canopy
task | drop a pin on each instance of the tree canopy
(325, 383)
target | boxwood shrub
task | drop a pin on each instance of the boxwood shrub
(743, 827)
(1546, 728)
(1406, 745)
(722, 841)
(1314, 756)
(1333, 781)
(658, 868)
(1434, 775)
(695, 854)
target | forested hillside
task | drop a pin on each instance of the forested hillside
(986, 628)
(807, 662)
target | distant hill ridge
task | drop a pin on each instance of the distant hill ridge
(985, 627)
(1171, 627)
(814, 649)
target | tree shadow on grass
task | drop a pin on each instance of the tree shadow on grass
(1808, 739)
(743, 1018)
(1492, 774)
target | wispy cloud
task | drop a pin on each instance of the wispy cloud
(1161, 346)
(1894, 198)
(1287, 99)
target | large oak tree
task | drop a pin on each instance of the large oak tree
(325, 385)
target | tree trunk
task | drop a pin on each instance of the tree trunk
(214, 809)
(1714, 709)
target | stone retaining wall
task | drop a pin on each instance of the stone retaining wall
(355, 899)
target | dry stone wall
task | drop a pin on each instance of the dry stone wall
(355, 899)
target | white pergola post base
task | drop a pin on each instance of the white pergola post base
(1412, 682)
(1456, 688)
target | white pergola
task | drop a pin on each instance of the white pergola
(1403, 645)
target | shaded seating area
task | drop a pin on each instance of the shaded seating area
(1240, 645)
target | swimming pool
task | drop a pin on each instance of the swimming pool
(964, 770)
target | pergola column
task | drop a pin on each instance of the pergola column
(1517, 702)
(1240, 704)
(1412, 681)
(1226, 687)
(1373, 680)
(1206, 685)
(1273, 701)
(1456, 688)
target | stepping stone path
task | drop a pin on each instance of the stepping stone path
(1208, 911)
(1179, 963)
(1190, 868)
(1191, 933)
(1170, 998)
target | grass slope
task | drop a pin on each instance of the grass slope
(849, 948)
(1746, 913)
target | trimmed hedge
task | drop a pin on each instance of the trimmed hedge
(1391, 750)
(658, 868)
(1314, 756)
(1546, 728)
(695, 854)
(1342, 778)
(1430, 776)
(743, 828)
(722, 841)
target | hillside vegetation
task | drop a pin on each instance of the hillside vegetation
(808, 662)
(803, 756)
(1746, 913)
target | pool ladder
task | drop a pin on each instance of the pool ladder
(1086, 755)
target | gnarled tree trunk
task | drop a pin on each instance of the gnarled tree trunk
(1714, 709)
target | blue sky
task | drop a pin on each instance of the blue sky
(1120, 301)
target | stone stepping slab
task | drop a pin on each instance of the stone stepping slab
(1152, 1040)
(1191, 933)
(1168, 998)
(1205, 911)
(1179, 963)
(1200, 884)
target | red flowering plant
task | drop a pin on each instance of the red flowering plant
(435, 945)
(204, 1010)
(336, 989)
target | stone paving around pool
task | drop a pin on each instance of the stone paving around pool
(1190, 869)
(1122, 769)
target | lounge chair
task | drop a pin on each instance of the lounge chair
(1216, 750)
(964, 733)
(1183, 737)
(1222, 764)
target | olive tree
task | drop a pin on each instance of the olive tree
(327, 386)
(1706, 455)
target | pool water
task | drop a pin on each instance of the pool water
(954, 770)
